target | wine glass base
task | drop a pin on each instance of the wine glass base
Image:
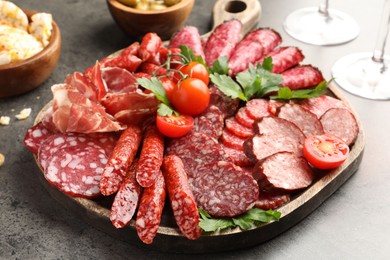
(308, 25)
(359, 75)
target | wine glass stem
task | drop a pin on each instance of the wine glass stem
(324, 8)
(384, 26)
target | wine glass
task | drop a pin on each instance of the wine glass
(321, 25)
(366, 74)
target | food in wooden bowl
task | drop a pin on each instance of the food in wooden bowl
(137, 22)
(29, 51)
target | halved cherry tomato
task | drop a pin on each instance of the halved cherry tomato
(191, 97)
(174, 126)
(169, 86)
(197, 70)
(325, 151)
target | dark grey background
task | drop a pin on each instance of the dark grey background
(352, 224)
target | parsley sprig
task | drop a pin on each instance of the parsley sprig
(245, 221)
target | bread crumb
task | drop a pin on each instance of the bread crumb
(4, 120)
(2, 159)
(24, 114)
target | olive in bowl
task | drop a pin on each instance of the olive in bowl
(21, 76)
(138, 20)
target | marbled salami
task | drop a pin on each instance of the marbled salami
(126, 199)
(35, 136)
(150, 210)
(284, 58)
(151, 157)
(181, 197)
(120, 160)
(303, 76)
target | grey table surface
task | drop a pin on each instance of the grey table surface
(354, 223)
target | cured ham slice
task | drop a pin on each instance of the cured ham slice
(119, 80)
(83, 85)
(130, 107)
(73, 112)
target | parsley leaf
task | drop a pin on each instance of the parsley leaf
(156, 87)
(254, 82)
(220, 66)
(245, 221)
(286, 93)
(228, 86)
(188, 55)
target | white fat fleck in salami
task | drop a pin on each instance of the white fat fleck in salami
(69, 169)
(341, 123)
(319, 105)
(284, 171)
(224, 190)
(303, 118)
(274, 135)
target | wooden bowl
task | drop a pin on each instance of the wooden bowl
(137, 23)
(20, 77)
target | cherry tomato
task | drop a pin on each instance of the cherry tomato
(174, 126)
(169, 86)
(191, 97)
(325, 151)
(197, 70)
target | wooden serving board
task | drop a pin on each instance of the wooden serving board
(169, 239)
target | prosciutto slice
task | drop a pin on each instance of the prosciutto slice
(73, 112)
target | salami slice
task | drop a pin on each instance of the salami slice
(216, 118)
(319, 105)
(252, 47)
(181, 198)
(226, 105)
(257, 108)
(120, 160)
(222, 40)
(284, 171)
(196, 149)
(76, 169)
(150, 210)
(190, 37)
(274, 105)
(303, 76)
(233, 141)
(303, 118)
(238, 157)
(342, 123)
(224, 190)
(151, 157)
(274, 135)
(243, 118)
(284, 58)
(203, 125)
(271, 200)
(233, 126)
(35, 136)
(126, 200)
